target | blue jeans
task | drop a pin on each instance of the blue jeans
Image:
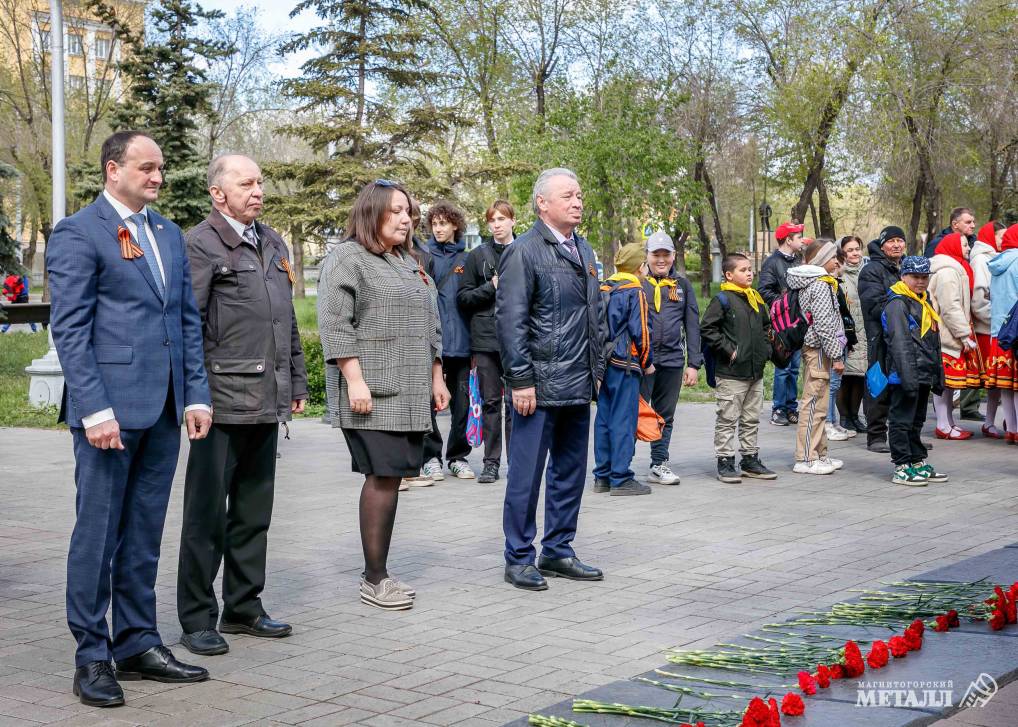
(618, 408)
(786, 386)
(832, 409)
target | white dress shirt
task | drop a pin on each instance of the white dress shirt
(239, 227)
(125, 212)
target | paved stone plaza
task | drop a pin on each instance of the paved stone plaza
(686, 566)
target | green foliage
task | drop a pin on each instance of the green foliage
(631, 167)
(355, 97)
(8, 245)
(170, 96)
(314, 361)
(17, 351)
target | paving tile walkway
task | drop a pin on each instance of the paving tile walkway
(686, 566)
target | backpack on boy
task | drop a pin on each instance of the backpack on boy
(789, 325)
(1008, 332)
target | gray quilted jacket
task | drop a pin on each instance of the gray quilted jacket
(380, 310)
(818, 300)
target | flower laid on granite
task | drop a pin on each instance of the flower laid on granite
(853, 663)
(807, 683)
(899, 647)
(775, 715)
(942, 623)
(757, 714)
(914, 636)
(792, 705)
(878, 656)
(823, 676)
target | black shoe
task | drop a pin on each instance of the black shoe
(206, 642)
(262, 626)
(570, 568)
(878, 447)
(630, 487)
(601, 485)
(526, 577)
(857, 423)
(928, 445)
(793, 417)
(973, 416)
(159, 665)
(488, 475)
(96, 685)
(751, 466)
(726, 470)
(779, 419)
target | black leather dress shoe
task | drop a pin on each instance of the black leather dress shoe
(96, 686)
(159, 665)
(526, 577)
(206, 642)
(262, 626)
(570, 568)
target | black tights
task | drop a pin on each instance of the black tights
(850, 395)
(379, 498)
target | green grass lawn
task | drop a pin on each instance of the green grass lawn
(17, 350)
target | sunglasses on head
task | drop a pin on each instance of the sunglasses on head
(385, 183)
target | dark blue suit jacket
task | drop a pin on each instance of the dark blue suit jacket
(120, 344)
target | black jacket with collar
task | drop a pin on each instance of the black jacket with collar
(675, 329)
(773, 279)
(875, 279)
(547, 315)
(253, 353)
(476, 296)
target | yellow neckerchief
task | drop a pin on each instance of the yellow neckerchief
(753, 297)
(658, 284)
(929, 315)
(628, 277)
(832, 281)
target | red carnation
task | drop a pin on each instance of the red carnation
(775, 715)
(853, 660)
(943, 624)
(792, 705)
(914, 638)
(998, 620)
(837, 671)
(918, 625)
(806, 683)
(899, 647)
(877, 658)
(757, 714)
(823, 676)
(952, 619)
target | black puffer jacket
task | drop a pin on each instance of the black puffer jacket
(914, 358)
(476, 296)
(774, 275)
(876, 277)
(547, 314)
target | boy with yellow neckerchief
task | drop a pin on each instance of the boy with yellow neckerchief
(628, 332)
(736, 329)
(912, 362)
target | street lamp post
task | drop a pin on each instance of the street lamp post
(46, 387)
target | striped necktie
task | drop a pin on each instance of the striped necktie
(250, 237)
(570, 245)
(149, 253)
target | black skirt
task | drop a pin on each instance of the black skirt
(385, 454)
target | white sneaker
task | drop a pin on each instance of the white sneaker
(386, 595)
(404, 485)
(833, 434)
(433, 471)
(461, 470)
(814, 467)
(662, 475)
(831, 462)
(850, 432)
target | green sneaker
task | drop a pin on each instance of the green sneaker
(908, 475)
(925, 468)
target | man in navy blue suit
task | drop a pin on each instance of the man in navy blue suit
(129, 338)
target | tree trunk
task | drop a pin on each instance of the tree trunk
(33, 245)
(680, 251)
(826, 217)
(47, 228)
(713, 200)
(705, 266)
(917, 208)
(361, 85)
(933, 204)
(539, 90)
(813, 216)
(297, 243)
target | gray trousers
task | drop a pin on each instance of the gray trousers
(738, 409)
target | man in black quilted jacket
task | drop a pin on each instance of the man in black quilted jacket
(547, 315)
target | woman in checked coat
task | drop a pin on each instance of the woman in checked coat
(378, 321)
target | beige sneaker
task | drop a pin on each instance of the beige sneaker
(404, 485)
(420, 480)
(386, 595)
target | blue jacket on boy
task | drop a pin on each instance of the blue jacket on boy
(628, 323)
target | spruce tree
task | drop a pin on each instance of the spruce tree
(169, 97)
(359, 96)
(9, 264)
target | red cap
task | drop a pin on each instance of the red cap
(787, 228)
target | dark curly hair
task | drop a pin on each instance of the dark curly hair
(451, 213)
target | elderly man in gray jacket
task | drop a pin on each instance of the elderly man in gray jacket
(243, 282)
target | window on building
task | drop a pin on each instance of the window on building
(74, 45)
(43, 39)
(102, 47)
(75, 83)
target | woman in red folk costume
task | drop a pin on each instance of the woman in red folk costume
(985, 248)
(951, 286)
(1000, 369)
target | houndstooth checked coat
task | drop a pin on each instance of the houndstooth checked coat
(380, 310)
